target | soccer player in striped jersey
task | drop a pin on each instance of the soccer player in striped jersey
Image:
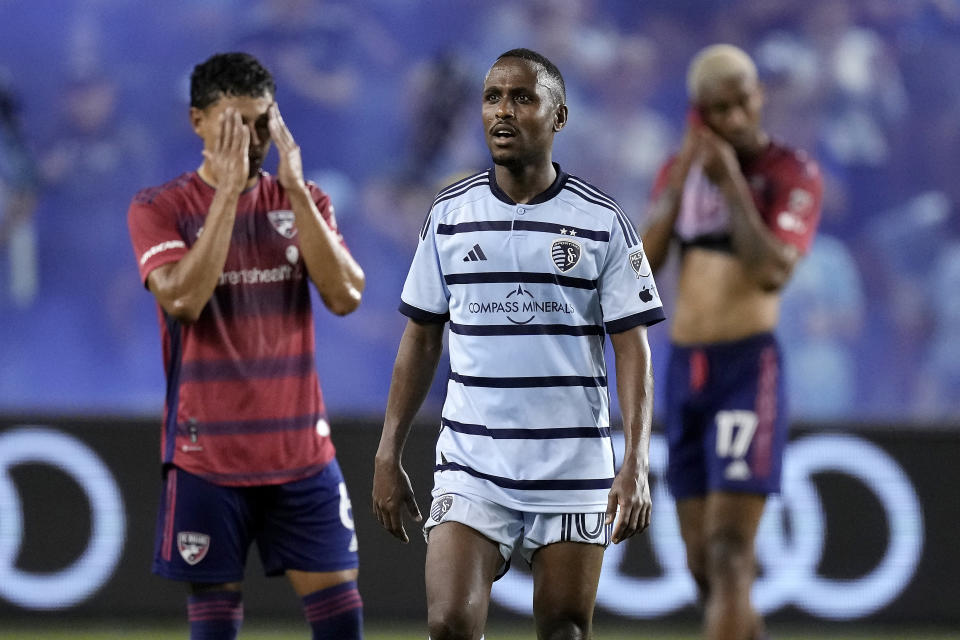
(532, 268)
(743, 209)
(228, 251)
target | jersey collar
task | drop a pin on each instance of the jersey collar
(551, 191)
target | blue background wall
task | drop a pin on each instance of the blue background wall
(383, 96)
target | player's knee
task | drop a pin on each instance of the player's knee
(452, 623)
(729, 557)
(564, 626)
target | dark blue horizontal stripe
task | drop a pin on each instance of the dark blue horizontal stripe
(527, 434)
(531, 485)
(529, 382)
(239, 427)
(521, 225)
(519, 276)
(625, 226)
(423, 316)
(264, 477)
(460, 183)
(632, 236)
(459, 191)
(276, 298)
(645, 318)
(525, 329)
(264, 368)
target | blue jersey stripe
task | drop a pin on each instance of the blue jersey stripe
(422, 315)
(522, 225)
(452, 186)
(626, 228)
(526, 434)
(517, 277)
(526, 329)
(426, 225)
(235, 427)
(461, 190)
(270, 299)
(530, 485)
(645, 318)
(263, 368)
(263, 477)
(173, 384)
(589, 188)
(528, 382)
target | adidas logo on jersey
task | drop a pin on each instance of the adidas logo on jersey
(475, 254)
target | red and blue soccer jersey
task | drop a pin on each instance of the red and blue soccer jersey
(787, 189)
(243, 404)
(726, 418)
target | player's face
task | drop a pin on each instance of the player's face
(732, 108)
(520, 114)
(253, 111)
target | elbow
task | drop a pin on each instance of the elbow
(345, 303)
(183, 311)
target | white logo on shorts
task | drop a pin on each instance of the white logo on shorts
(440, 507)
(193, 546)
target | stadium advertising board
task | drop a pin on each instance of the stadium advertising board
(858, 534)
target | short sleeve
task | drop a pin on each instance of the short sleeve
(325, 207)
(155, 236)
(795, 203)
(425, 296)
(628, 294)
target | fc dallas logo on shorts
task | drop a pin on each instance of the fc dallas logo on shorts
(193, 546)
(282, 221)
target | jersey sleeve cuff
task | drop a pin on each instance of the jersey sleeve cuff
(645, 318)
(416, 313)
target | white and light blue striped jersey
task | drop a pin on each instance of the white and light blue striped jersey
(530, 291)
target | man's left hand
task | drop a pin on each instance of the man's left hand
(290, 167)
(717, 156)
(631, 493)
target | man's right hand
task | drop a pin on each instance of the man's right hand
(228, 161)
(392, 496)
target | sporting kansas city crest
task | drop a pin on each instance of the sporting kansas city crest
(193, 546)
(639, 265)
(282, 221)
(565, 254)
(440, 507)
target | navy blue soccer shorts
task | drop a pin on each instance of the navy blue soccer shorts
(726, 418)
(204, 530)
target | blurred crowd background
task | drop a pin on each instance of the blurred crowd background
(384, 98)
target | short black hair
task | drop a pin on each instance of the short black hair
(540, 59)
(230, 74)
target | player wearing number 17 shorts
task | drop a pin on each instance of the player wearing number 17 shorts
(742, 209)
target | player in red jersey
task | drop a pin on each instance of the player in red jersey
(743, 209)
(227, 251)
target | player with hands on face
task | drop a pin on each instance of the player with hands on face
(229, 253)
(742, 208)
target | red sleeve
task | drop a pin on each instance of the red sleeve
(325, 207)
(155, 236)
(794, 207)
